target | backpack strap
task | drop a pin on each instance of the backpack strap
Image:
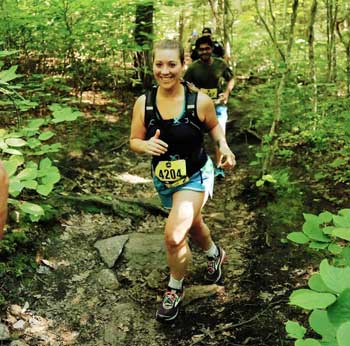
(191, 109)
(150, 104)
(191, 103)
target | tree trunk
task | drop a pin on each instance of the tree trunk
(332, 13)
(272, 36)
(279, 91)
(344, 26)
(143, 35)
(214, 9)
(227, 20)
(311, 38)
(181, 26)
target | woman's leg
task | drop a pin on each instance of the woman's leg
(200, 233)
(187, 205)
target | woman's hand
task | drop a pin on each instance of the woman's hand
(155, 146)
(228, 159)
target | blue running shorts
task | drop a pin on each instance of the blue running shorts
(203, 180)
(221, 114)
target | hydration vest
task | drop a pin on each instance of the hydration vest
(184, 134)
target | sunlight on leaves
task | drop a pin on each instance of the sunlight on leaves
(308, 299)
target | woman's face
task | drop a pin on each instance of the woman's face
(167, 67)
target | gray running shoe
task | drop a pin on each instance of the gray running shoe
(214, 266)
(169, 309)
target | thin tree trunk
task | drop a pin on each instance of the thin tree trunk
(226, 22)
(274, 41)
(311, 38)
(214, 9)
(279, 91)
(143, 37)
(345, 39)
(332, 13)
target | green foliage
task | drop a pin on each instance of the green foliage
(326, 231)
(24, 152)
(328, 296)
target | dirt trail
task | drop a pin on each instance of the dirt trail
(79, 300)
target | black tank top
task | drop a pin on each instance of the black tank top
(183, 134)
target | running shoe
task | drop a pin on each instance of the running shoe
(213, 274)
(169, 309)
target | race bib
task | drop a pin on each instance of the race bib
(212, 93)
(171, 171)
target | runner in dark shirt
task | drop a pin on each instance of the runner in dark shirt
(218, 49)
(205, 75)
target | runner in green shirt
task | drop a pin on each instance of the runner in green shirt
(206, 75)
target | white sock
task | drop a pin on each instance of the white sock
(212, 251)
(176, 284)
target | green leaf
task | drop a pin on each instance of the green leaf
(341, 221)
(335, 249)
(321, 324)
(307, 342)
(318, 246)
(2, 133)
(10, 74)
(339, 312)
(259, 183)
(51, 178)
(309, 300)
(344, 212)
(316, 284)
(15, 142)
(33, 143)
(45, 164)
(31, 208)
(337, 279)
(30, 184)
(312, 218)
(12, 151)
(343, 334)
(325, 217)
(313, 230)
(3, 145)
(44, 189)
(298, 237)
(346, 255)
(61, 113)
(295, 330)
(338, 162)
(11, 167)
(35, 124)
(15, 187)
(4, 53)
(50, 175)
(328, 230)
(269, 178)
(341, 232)
(27, 174)
(44, 136)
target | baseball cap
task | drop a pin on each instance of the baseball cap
(206, 31)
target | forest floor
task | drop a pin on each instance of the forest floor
(77, 297)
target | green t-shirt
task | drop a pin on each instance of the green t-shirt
(208, 77)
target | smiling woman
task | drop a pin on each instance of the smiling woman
(169, 123)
